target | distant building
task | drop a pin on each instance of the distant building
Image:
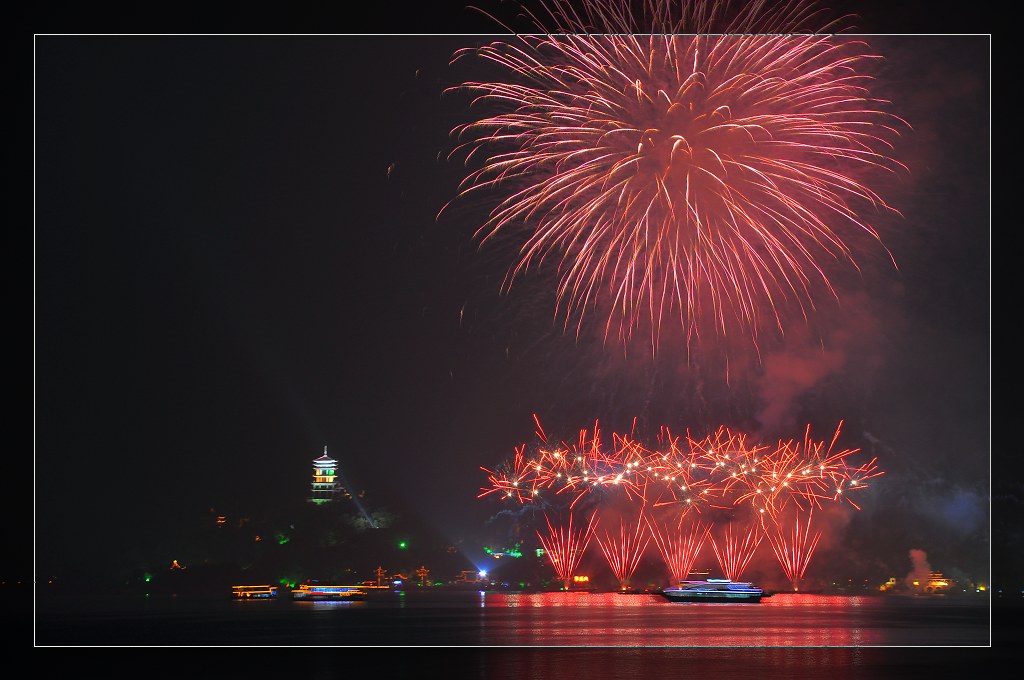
(936, 583)
(471, 576)
(326, 487)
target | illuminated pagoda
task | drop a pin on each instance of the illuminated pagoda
(326, 487)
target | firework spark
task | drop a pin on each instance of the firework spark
(724, 474)
(624, 550)
(678, 548)
(734, 551)
(565, 546)
(794, 549)
(724, 471)
(714, 177)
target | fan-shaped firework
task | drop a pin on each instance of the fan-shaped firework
(734, 551)
(795, 548)
(624, 550)
(565, 546)
(679, 549)
(713, 178)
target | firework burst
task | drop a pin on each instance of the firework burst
(710, 180)
(724, 471)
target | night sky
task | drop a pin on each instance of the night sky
(238, 262)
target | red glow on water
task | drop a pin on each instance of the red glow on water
(649, 620)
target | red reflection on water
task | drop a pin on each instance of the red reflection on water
(648, 620)
(593, 619)
(568, 599)
(799, 600)
(795, 620)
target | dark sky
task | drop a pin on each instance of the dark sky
(237, 263)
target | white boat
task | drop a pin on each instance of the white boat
(714, 590)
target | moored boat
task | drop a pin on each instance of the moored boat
(254, 592)
(714, 590)
(317, 591)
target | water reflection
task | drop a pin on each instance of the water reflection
(648, 620)
(568, 599)
(552, 620)
(330, 604)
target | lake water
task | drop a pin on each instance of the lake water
(533, 635)
(495, 619)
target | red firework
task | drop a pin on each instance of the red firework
(624, 550)
(678, 548)
(709, 179)
(724, 470)
(565, 546)
(794, 549)
(734, 551)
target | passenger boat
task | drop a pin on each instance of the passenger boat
(259, 592)
(714, 590)
(316, 591)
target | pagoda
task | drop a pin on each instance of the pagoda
(325, 481)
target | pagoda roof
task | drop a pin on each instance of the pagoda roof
(324, 460)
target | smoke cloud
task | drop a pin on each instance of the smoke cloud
(920, 569)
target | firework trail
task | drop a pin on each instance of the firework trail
(734, 551)
(794, 549)
(624, 550)
(678, 548)
(565, 546)
(680, 166)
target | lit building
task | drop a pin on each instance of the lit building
(936, 583)
(326, 487)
